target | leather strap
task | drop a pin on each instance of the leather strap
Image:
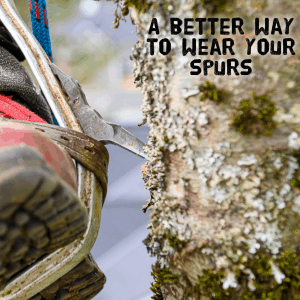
(89, 152)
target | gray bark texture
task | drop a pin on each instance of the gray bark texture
(224, 157)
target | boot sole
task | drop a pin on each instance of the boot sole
(83, 282)
(39, 212)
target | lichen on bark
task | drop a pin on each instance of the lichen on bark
(224, 220)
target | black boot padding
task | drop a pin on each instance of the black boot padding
(7, 41)
(14, 78)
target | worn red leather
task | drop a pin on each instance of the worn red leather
(57, 158)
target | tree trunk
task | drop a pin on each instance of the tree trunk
(224, 157)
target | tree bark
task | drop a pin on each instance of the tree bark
(224, 157)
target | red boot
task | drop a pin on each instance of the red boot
(40, 211)
(39, 208)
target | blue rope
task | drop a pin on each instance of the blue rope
(40, 28)
(39, 22)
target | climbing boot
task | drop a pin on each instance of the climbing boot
(39, 208)
(83, 282)
(40, 211)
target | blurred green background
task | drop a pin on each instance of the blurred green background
(85, 47)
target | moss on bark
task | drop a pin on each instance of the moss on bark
(263, 283)
(239, 209)
(255, 116)
(210, 91)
